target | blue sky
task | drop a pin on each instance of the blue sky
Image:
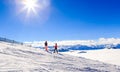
(66, 20)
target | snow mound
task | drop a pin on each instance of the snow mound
(20, 58)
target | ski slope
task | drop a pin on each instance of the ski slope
(21, 58)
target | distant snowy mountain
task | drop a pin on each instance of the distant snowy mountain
(9, 41)
(80, 44)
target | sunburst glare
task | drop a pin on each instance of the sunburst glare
(32, 7)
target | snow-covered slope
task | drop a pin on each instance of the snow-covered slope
(111, 56)
(20, 58)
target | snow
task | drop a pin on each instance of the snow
(111, 56)
(21, 58)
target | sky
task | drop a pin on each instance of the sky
(60, 20)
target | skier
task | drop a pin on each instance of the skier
(55, 50)
(46, 46)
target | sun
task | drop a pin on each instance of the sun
(30, 6)
(33, 9)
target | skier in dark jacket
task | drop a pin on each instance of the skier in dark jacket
(55, 48)
(46, 46)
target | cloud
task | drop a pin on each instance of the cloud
(109, 41)
(100, 41)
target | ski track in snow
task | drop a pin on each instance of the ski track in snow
(18, 58)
